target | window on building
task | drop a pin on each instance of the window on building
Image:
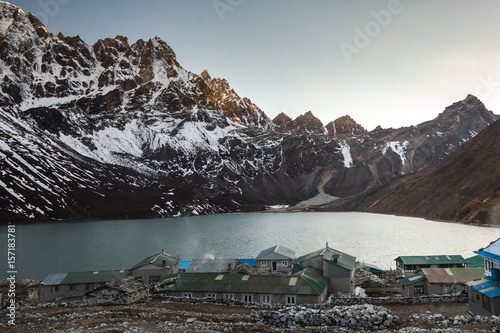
(445, 289)
(418, 290)
(290, 300)
(188, 295)
(247, 298)
(228, 296)
(265, 299)
(54, 289)
(89, 286)
(210, 295)
(284, 263)
(73, 287)
(263, 264)
(154, 279)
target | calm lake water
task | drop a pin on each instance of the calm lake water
(104, 245)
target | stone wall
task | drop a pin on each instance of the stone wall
(332, 301)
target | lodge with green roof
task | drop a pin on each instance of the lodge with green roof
(337, 266)
(304, 287)
(152, 268)
(412, 264)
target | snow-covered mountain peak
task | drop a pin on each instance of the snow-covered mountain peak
(115, 130)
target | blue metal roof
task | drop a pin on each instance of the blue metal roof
(488, 255)
(494, 292)
(485, 285)
(249, 262)
(184, 264)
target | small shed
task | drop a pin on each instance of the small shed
(124, 291)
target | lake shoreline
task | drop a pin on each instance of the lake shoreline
(284, 210)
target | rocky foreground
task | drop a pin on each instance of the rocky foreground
(177, 315)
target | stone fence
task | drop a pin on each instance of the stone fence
(331, 302)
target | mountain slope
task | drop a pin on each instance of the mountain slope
(115, 130)
(465, 187)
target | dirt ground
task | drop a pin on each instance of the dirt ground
(167, 316)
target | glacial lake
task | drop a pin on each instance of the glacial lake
(106, 245)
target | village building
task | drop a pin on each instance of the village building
(123, 291)
(75, 284)
(276, 258)
(439, 281)
(484, 294)
(305, 287)
(212, 266)
(151, 269)
(337, 266)
(476, 261)
(413, 264)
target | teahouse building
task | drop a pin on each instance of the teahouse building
(412, 264)
(276, 258)
(151, 269)
(439, 281)
(337, 266)
(484, 294)
(305, 287)
(76, 284)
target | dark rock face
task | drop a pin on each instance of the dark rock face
(464, 187)
(118, 130)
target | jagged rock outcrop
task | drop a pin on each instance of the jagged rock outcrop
(120, 129)
(344, 128)
(305, 123)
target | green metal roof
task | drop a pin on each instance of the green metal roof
(306, 283)
(157, 260)
(431, 260)
(369, 267)
(94, 277)
(314, 277)
(412, 280)
(475, 261)
(331, 255)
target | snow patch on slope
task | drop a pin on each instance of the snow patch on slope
(346, 152)
(397, 147)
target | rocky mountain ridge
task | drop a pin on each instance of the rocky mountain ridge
(464, 187)
(120, 130)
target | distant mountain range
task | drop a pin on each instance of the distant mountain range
(120, 130)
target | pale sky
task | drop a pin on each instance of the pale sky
(391, 63)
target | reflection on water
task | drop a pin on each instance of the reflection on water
(377, 239)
